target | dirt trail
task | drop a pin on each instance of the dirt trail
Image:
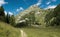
(23, 34)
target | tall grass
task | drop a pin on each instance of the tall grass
(8, 31)
(42, 32)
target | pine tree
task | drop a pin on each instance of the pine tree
(7, 18)
(53, 18)
(12, 20)
(2, 14)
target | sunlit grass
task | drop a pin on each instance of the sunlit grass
(42, 32)
(8, 31)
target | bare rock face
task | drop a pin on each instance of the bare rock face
(39, 14)
(27, 11)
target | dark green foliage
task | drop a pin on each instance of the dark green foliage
(48, 17)
(12, 20)
(57, 14)
(53, 18)
(57, 10)
(2, 11)
(7, 18)
(22, 24)
(2, 14)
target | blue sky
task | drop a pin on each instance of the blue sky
(16, 6)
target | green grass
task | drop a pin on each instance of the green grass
(8, 31)
(42, 32)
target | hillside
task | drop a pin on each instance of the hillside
(34, 14)
(8, 31)
(39, 14)
(27, 11)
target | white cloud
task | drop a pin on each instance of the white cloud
(2, 2)
(48, 3)
(20, 9)
(5, 12)
(50, 6)
(38, 3)
(10, 13)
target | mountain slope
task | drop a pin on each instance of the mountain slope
(39, 14)
(27, 11)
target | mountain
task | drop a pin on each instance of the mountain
(27, 11)
(39, 14)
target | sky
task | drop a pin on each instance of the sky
(16, 6)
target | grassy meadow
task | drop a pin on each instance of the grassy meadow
(8, 31)
(42, 32)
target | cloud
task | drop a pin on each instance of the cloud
(10, 13)
(5, 12)
(2, 2)
(51, 6)
(38, 3)
(48, 3)
(20, 9)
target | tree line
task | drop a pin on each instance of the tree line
(53, 17)
(10, 19)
